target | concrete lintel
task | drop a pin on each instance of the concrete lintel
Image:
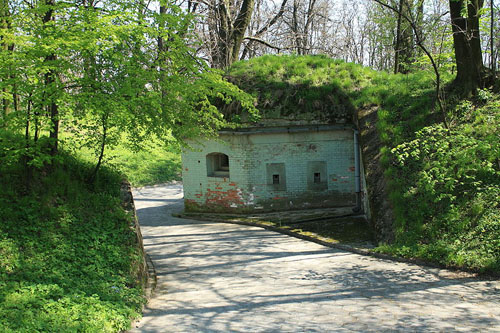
(288, 129)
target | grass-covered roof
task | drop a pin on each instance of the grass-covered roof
(298, 89)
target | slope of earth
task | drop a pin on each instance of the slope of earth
(68, 254)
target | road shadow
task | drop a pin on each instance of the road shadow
(215, 277)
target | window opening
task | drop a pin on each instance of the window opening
(276, 179)
(317, 177)
(217, 165)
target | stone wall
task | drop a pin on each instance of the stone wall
(255, 157)
(140, 267)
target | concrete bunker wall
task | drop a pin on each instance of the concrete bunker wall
(272, 171)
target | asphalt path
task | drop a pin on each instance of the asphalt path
(218, 277)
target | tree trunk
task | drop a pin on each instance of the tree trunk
(104, 138)
(240, 26)
(309, 20)
(405, 38)
(230, 34)
(467, 44)
(295, 26)
(223, 16)
(5, 23)
(50, 82)
(397, 46)
(492, 35)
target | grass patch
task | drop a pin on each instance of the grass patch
(348, 230)
(445, 188)
(66, 250)
(155, 163)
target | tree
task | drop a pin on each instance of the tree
(228, 25)
(256, 37)
(420, 43)
(405, 47)
(464, 17)
(95, 69)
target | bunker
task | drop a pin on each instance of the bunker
(302, 153)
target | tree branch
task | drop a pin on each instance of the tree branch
(258, 40)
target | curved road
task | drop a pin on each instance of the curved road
(215, 277)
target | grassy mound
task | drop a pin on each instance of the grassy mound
(310, 89)
(66, 249)
(443, 186)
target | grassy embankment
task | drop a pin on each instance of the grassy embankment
(155, 163)
(444, 186)
(67, 250)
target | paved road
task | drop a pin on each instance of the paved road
(230, 278)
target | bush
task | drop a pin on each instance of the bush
(445, 189)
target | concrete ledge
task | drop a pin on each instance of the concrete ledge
(152, 278)
(146, 273)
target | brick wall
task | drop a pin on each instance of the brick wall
(249, 187)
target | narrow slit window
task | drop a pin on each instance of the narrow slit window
(317, 177)
(276, 179)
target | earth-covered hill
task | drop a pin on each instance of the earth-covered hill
(434, 193)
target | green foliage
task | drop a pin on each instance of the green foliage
(445, 188)
(299, 87)
(154, 163)
(110, 78)
(66, 250)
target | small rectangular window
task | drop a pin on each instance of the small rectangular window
(317, 177)
(276, 176)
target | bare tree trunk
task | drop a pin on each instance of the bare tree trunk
(229, 34)
(50, 82)
(309, 22)
(492, 39)
(467, 44)
(295, 26)
(240, 26)
(223, 16)
(397, 47)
